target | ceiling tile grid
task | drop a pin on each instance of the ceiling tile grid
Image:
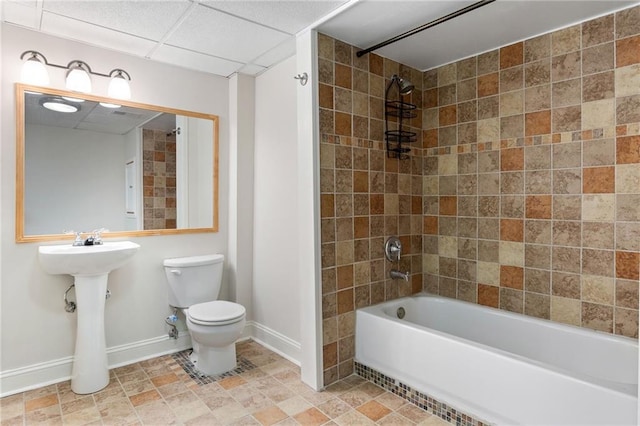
(227, 36)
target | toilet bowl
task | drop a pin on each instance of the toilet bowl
(214, 328)
(214, 325)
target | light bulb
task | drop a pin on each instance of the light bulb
(34, 72)
(119, 88)
(58, 104)
(78, 80)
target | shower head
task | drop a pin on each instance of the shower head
(404, 86)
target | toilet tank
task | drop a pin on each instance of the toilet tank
(194, 279)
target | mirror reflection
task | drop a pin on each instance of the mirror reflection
(88, 163)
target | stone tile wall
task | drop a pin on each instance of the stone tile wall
(159, 179)
(532, 181)
(365, 196)
(522, 192)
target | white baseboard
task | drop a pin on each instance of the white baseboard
(271, 339)
(56, 371)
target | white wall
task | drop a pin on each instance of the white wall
(37, 335)
(241, 137)
(62, 194)
(275, 234)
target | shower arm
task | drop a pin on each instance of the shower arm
(428, 25)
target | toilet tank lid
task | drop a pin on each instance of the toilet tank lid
(185, 262)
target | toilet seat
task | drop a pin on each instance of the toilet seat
(217, 312)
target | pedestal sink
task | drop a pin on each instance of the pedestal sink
(90, 266)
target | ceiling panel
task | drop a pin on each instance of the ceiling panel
(99, 36)
(147, 19)
(251, 69)
(287, 16)
(216, 33)
(278, 53)
(19, 13)
(196, 61)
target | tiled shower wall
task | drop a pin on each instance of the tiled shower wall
(523, 192)
(532, 181)
(365, 196)
(159, 179)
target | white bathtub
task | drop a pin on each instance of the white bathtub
(501, 367)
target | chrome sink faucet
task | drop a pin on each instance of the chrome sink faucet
(97, 236)
(78, 241)
(95, 239)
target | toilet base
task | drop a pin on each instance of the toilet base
(214, 361)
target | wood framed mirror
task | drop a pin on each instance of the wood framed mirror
(86, 162)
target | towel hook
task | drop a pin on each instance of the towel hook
(304, 77)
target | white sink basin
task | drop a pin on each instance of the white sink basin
(86, 260)
(90, 267)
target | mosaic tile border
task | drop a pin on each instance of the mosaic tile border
(182, 358)
(417, 398)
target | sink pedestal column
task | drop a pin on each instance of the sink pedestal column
(90, 371)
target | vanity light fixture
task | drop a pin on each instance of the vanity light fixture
(33, 70)
(78, 77)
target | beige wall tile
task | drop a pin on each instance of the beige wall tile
(488, 273)
(391, 204)
(598, 114)
(511, 253)
(448, 164)
(448, 246)
(512, 103)
(489, 130)
(628, 178)
(566, 40)
(567, 311)
(598, 207)
(430, 118)
(567, 207)
(447, 74)
(628, 80)
(430, 263)
(598, 289)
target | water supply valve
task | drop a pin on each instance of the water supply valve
(171, 321)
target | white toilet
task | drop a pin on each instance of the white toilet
(214, 325)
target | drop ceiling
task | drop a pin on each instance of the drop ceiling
(223, 37)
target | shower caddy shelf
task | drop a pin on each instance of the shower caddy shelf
(396, 138)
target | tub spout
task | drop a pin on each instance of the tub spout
(398, 274)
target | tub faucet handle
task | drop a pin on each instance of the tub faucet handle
(393, 249)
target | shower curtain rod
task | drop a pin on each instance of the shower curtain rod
(433, 23)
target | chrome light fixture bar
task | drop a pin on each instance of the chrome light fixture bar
(78, 77)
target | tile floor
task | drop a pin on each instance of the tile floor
(265, 389)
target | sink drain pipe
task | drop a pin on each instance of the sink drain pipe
(71, 306)
(171, 321)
